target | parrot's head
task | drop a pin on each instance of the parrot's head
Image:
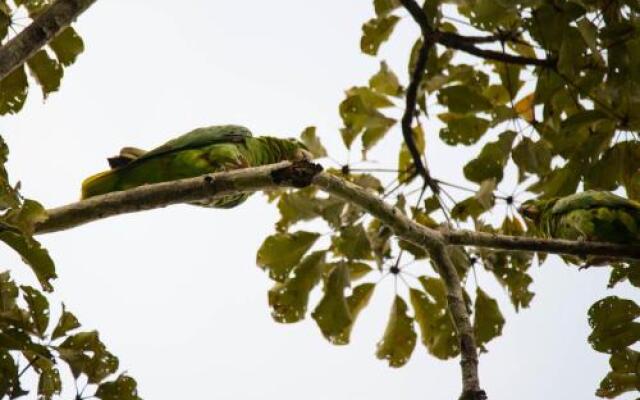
(533, 210)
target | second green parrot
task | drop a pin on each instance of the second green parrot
(199, 152)
(596, 216)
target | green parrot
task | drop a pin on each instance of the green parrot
(199, 152)
(596, 216)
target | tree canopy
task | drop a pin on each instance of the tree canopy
(547, 91)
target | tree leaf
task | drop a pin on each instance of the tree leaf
(375, 32)
(123, 388)
(624, 375)
(47, 72)
(352, 243)
(86, 354)
(532, 157)
(386, 82)
(612, 322)
(49, 383)
(332, 314)
(13, 92)
(38, 309)
(288, 300)
(488, 320)
(358, 300)
(66, 323)
(462, 129)
(399, 337)
(436, 327)
(279, 253)
(33, 255)
(492, 159)
(462, 99)
(67, 45)
(309, 138)
(384, 7)
(9, 379)
(525, 107)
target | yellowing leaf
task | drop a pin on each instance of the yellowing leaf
(375, 32)
(488, 320)
(525, 107)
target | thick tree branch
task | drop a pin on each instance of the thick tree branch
(301, 174)
(42, 30)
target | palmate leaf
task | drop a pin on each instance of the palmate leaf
(356, 302)
(352, 243)
(492, 160)
(399, 339)
(49, 383)
(66, 323)
(462, 128)
(9, 379)
(33, 255)
(47, 72)
(86, 354)
(38, 309)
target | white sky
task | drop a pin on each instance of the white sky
(175, 293)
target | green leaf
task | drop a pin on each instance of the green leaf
(86, 354)
(462, 129)
(405, 162)
(13, 92)
(38, 309)
(352, 243)
(612, 322)
(492, 159)
(123, 388)
(279, 253)
(488, 320)
(9, 379)
(66, 323)
(436, 325)
(379, 235)
(532, 157)
(49, 383)
(624, 375)
(399, 337)
(559, 182)
(332, 314)
(386, 82)
(384, 7)
(360, 114)
(33, 255)
(463, 99)
(375, 32)
(309, 138)
(47, 72)
(67, 46)
(288, 300)
(583, 119)
(358, 300)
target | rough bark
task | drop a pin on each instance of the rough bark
(40, 32)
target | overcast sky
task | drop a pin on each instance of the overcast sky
(175, 292)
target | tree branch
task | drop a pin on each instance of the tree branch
(412, 94)
(303, 173)
(42, 30)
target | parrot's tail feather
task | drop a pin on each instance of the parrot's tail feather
(100, 183)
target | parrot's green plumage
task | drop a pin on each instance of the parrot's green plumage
(596, 216)
(199, 152)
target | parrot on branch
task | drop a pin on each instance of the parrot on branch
(596, 216)
(201, 151)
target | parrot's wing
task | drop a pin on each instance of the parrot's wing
(593, 199)
(201, 137)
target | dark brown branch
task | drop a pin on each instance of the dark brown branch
(412, 95)
(42, 30)
(555, 246)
